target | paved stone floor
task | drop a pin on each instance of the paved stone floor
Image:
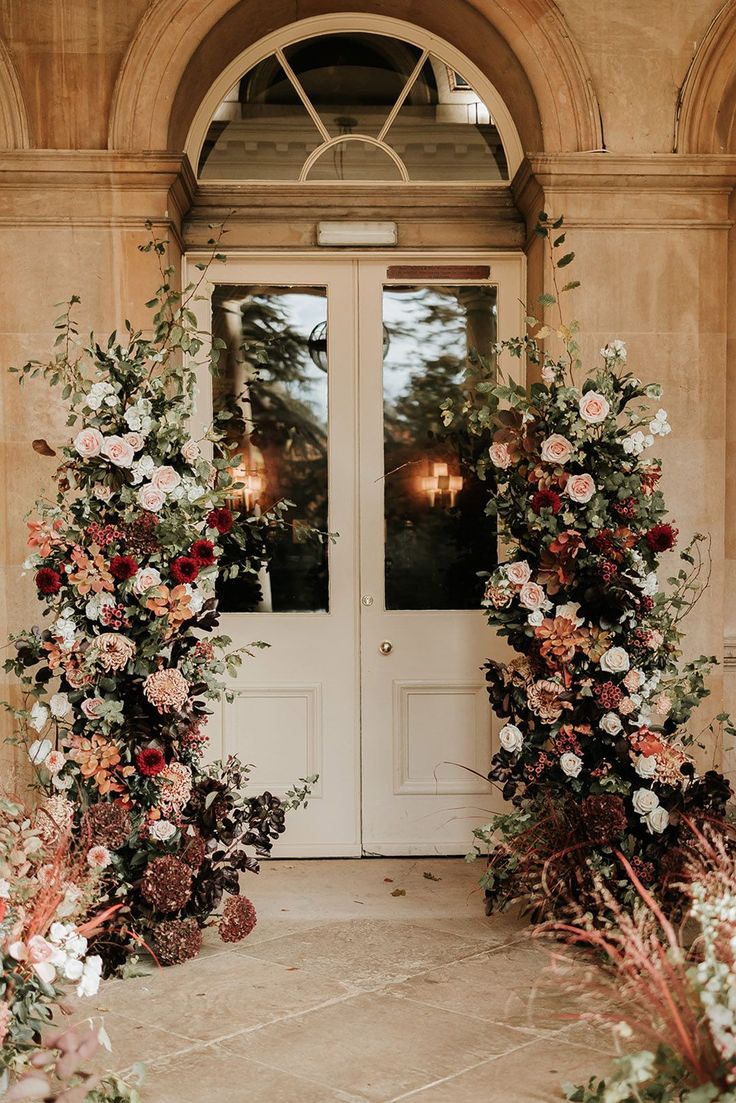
(345, 992)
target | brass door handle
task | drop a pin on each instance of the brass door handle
(386, 647)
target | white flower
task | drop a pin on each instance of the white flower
(510, 738)
(548, 373)
(65, 630)
(62, 783)
(646, 766)
(88, 443)
(4, 889)
(650, 585)
(99, 393)
(98, 857)
(570, 611)
(39, 717)
(658, 819)
(55, 761)
(615, 660)
(637, 442)
(135, 440)
(137, 419)
(39, 751)
(594, 407)
(151, 498)
(614, 350)
(196, 597)
(518, 573)
(73, 968)
(95, 605)
(191, 451)
(165, 478)
(536, 618)
(532, 596)
(659, 426)
(59, 705)
(611, 723)
(90, 981)
(142, 468)
(571, 764)
(194, 491)
(645, 801)
(162, 830)
(145, 579)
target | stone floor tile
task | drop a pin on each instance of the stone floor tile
(204, 999)
(534, 1074)
(133, 1041)
(368, 952)
(375, 1046)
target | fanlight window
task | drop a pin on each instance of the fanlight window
(353, 107)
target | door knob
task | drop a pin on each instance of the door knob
(367, 600)
(386, 647)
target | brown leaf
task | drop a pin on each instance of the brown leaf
(399, 892)
(43, 447)
(431, 877)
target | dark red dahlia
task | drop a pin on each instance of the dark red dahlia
(150, 761)
(48, 580)
(546, 499)
(204, 552)
(220, 519)
(184, 569)
(123, 567)
(661, 538)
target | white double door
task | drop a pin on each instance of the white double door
(373, 677)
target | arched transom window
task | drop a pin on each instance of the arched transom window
(353, 106)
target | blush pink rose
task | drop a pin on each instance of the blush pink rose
(39, 949)
(518, 573)
(532, 596)
(135, 440)
(151, 498)
(556, 449)
(499, 454)
(91, 707)
(580, 488)
(191, 451)
(166, 479)
(594, 407)
(118, 451)
(88, 443)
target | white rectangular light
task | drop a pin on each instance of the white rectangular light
(356, 233)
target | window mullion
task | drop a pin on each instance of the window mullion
(404, 93)
(303, 96)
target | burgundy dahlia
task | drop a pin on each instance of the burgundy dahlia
(238, 919)
(150, 761)
(184, 569)
(123, 567)
(661, 538)
(167, 884)
(220, 519)
(174, 941)
(546, 499)
(48, 580)
(203, 551)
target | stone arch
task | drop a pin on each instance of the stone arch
(706, 119)
(181, 46)
(14, 130)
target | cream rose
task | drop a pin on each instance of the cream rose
(556, 449)
(151, 498)
(594, 407)
(532, 596)
(580, 488)
(611, 724)
(499, 454)
(166, 479)
(658, 820)
(646, 766)
(88, 443)
(615, 660)
(662, 704)
(510, 738)
(571, 764)
(59, 705)
(518, 573)
(191, 451)
(91, 707)
(135, 440)
(55, 761)
(118, 451)
(162, 830)
(645, 801)
(145, 579)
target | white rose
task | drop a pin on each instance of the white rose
(145, 579)
(59, 705)
(4, 889)
(556, 449)
(151, 498)
(571, 764)
(166, 479)
(143, 468)
(135, 440)
(90, 981)
(518, 573)
(548, 373)
(191, 451)
(532, 596)
(658, 820)
(162, 830)
(615, 660)
(88, 443)
(570, 611)
(580, 488)
(510, 738)
(536, 618)
(118, 451)
(645, 801)
(39, 717)
(39, 751)
(594, 407)
(611, 723)
(646, 766)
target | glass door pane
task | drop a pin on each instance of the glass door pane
(437, 536)
(276, 358)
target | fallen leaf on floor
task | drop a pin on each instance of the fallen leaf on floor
(358, 901)
(389, 880)
(399, 892)
(432, 877)
(292, 969)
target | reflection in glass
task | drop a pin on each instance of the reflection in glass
(283, 437)
(437, 534)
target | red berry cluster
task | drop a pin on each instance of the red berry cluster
(104, 535)
(113, 616)
(609, 695)
(534, 770)
(608, 570)
(625, 508)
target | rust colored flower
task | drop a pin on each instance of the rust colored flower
(544, 699)
(649, 477)
(90, 574)
(174, 605)
(560, 639)
(566, 545)
(167, 690)
(98, 759)
(174, 941)
(167, 884)
(114, 651)
(498, 597)
(238, 919)
(109, 823)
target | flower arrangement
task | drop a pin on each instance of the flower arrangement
(126, 560)
(48, 886)
(679, 1003)
(594, 750)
